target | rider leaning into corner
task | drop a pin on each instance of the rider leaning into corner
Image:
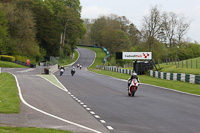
(133, 76)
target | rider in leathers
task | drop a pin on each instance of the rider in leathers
(133, 76)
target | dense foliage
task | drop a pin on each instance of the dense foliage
(38, 28)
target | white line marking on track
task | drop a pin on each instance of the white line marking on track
(92, 112)
(102, 121)
(88, 108)
(96, 116)
(109, 127)
(85, 106)
(56, 117)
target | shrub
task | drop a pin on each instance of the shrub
(7, 58)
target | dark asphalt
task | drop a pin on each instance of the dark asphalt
(152, 110)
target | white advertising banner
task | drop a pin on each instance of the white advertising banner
(0, 69)
(137, 55)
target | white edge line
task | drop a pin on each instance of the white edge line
(60, 83)
(22, 99)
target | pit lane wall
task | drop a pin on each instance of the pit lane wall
(195, 79)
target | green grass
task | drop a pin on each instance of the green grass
(30, 130)
(9, 99)
(52, 79)
(6, 64)
(68, 60)
(184, 67)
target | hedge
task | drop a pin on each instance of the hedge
(7, 58)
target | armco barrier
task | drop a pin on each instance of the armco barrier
(195, 79)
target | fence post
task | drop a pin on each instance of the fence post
(182, 63)
(186, 63)
(196, 64)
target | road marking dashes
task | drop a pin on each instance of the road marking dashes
(102, 121)
(92, 112)
(96, 116)
(109, 127)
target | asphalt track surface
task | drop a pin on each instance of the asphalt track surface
(152, 110)
(46, 106)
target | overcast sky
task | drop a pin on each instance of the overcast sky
(135, 10)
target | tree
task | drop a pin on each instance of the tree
(151, 26)
(182, 28)
(22, 30)
(169, 24)
(3, 32)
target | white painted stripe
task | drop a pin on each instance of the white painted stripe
(96, 116)
(85, 106)
(82, 103)
(109, 127)
(102, 121)
(88, 108)
(61, 84)
(92, 112)
(56, 117)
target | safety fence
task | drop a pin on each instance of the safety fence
(195, 79)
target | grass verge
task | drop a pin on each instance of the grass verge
(68, 60)
(6, 64)
(30, 130)
(52, 79)
(9, 99)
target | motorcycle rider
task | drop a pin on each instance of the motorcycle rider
(133, 76)
(62, 68)
(73, 70)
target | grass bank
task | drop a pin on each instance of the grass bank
(30, 130)
(190, 66)
(9, 99)
(6, 64)
(68, 60)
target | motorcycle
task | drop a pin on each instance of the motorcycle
(72, 72)
(80, 66)
(61, 71)
(133, 87)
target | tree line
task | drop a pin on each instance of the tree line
(40, 28)
(162, 33)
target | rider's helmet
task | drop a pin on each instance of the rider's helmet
(134, 74)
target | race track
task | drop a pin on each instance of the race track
(152, 110)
